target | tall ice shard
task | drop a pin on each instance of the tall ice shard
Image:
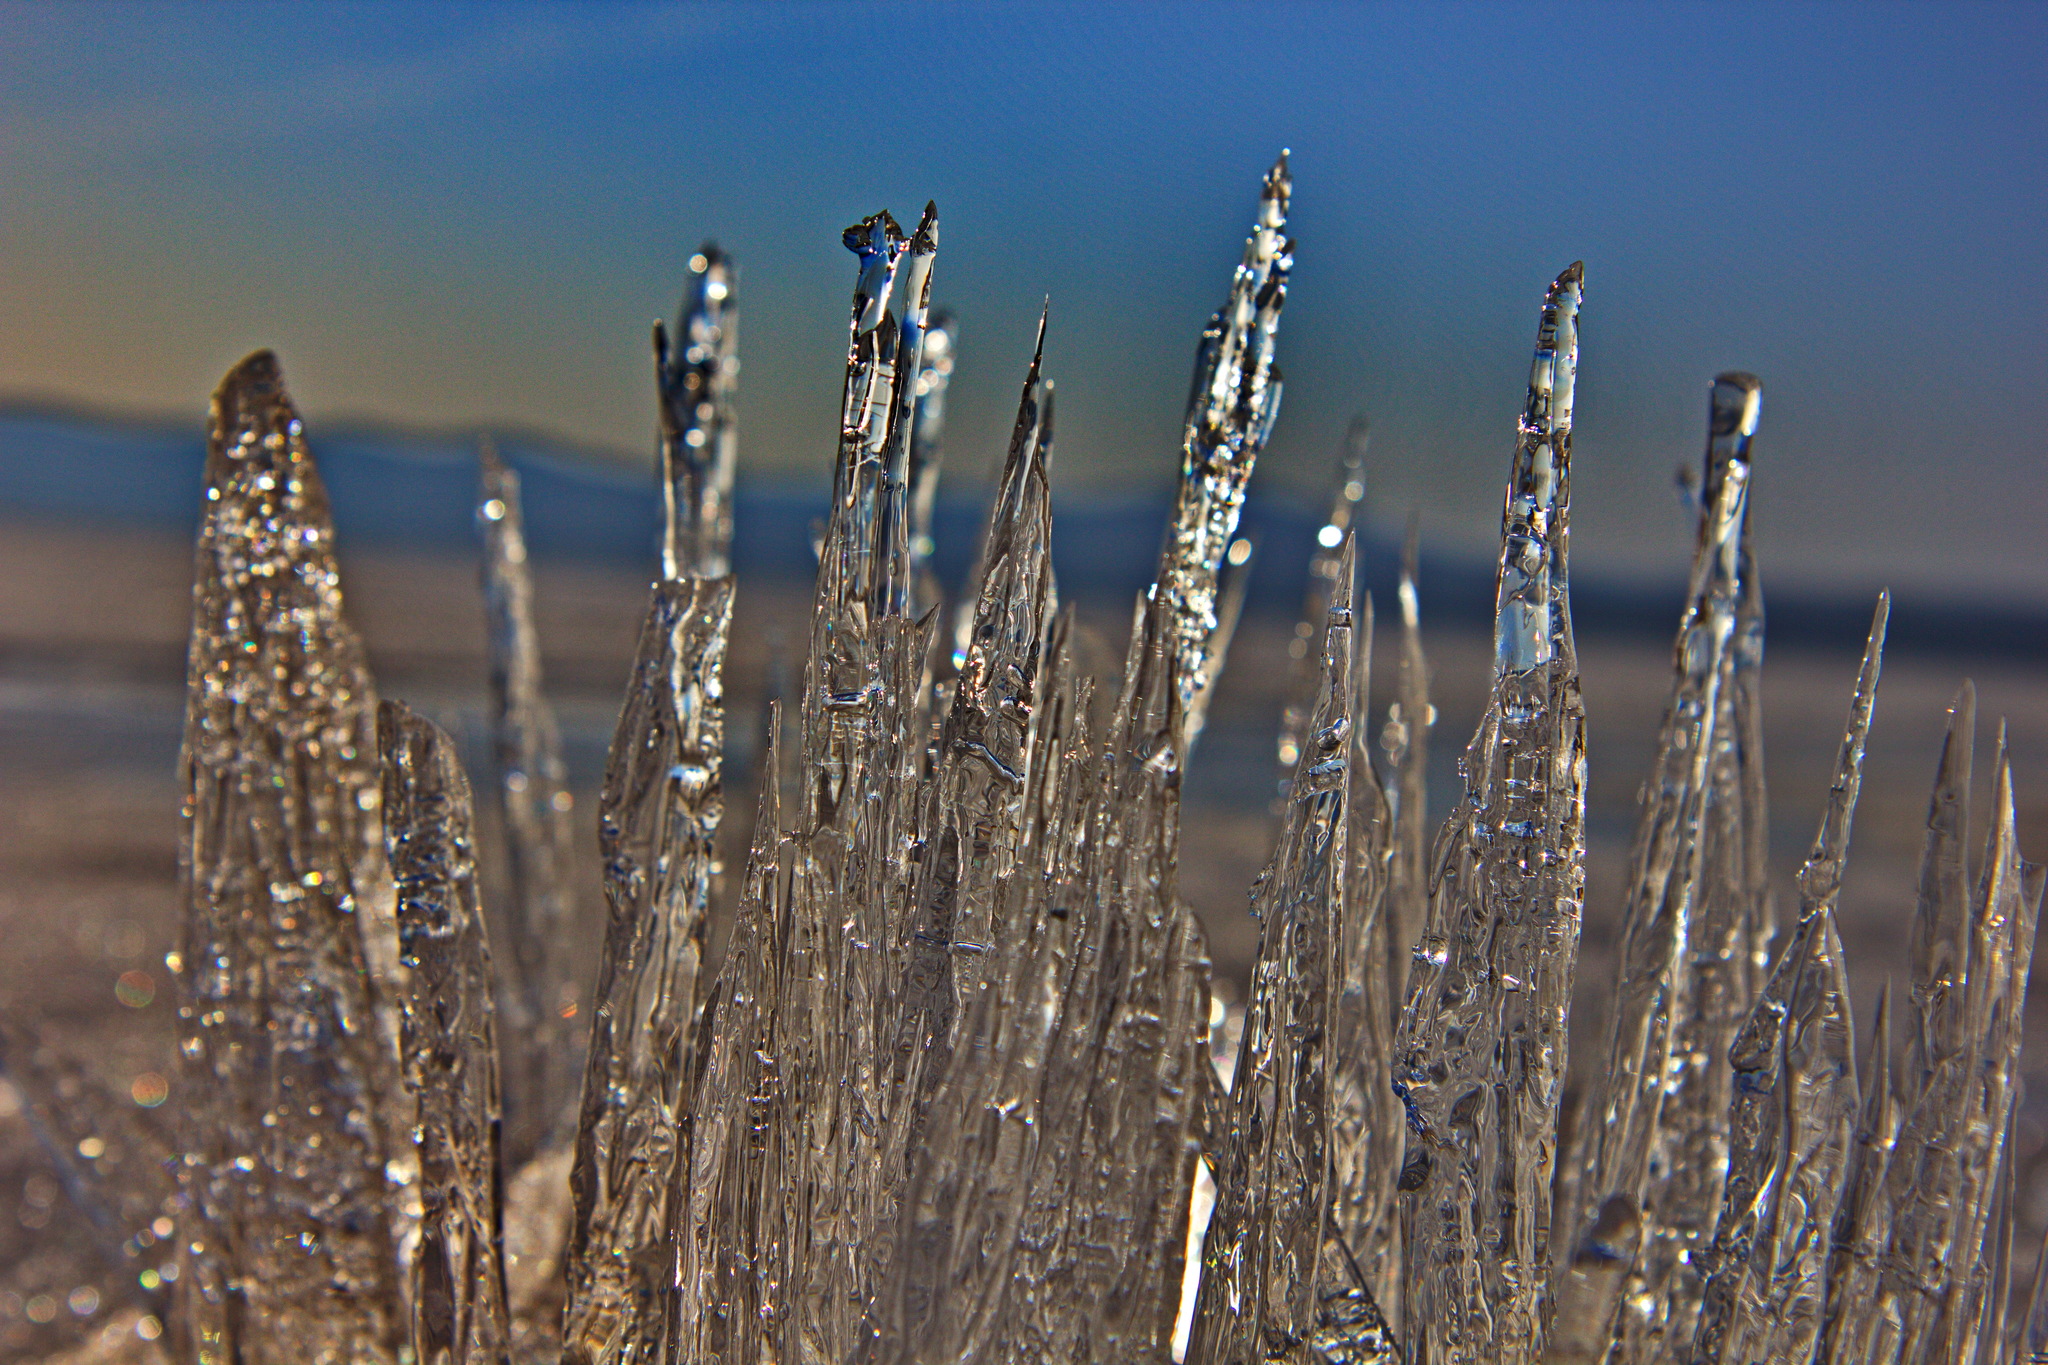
(459, 1313)
(974, 809)
(960, 1091)
(1272, 1203)
(1406, 742)
(1682, 962)
(1232, 405)
(1792, 1124)
(1480, 1054)
(696, 372)
(657, 819)
(1972, 951)
(727, 1267)
(544, 990)
(288, 1243)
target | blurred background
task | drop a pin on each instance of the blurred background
(457, 219)
(451, 217)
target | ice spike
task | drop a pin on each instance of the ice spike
(1481, 1051)
(459, 1309)
(288, 1243)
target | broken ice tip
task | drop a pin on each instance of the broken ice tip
(1737, 403)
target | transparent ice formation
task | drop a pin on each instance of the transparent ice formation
(1657, 1146)
(949, 1091)
(293, 1210)
(697, 371)
(1479, 1058)
(541, 988)
(449, 1042)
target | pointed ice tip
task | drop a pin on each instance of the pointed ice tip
(925, 241)
(252, 395)
(1820, 879)
(876, 232)
(1962, 724)
(256, 375)
(257, 367)
(1735, 402)
(1873, 660)
(1038, 346)
(1279, 188)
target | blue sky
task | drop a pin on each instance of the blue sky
(457, 215)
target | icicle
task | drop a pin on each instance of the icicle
(974, 806)
(532, 794)
(1304, 649)
(1941, 926)
(696, 375)
(895, 552)
(1231, 409)
(287, 1243)
(1732, 928)
(927, 429)
(973, 814)
(727, 1268)
(657, 819)
(864, 736)
(1272, 1201)
(1793, 1122)
(842, 679)
(1367, 1122)
(459, 1313)
(1480, 1055)
(1864, 1225)
(1792, 1129)
(2001, 954)
(1406, 742)
(1672, 1019)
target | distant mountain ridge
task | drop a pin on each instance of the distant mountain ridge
(390, 487)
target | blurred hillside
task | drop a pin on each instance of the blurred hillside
(409, 490)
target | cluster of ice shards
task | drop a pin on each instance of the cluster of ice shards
(952, 1089)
